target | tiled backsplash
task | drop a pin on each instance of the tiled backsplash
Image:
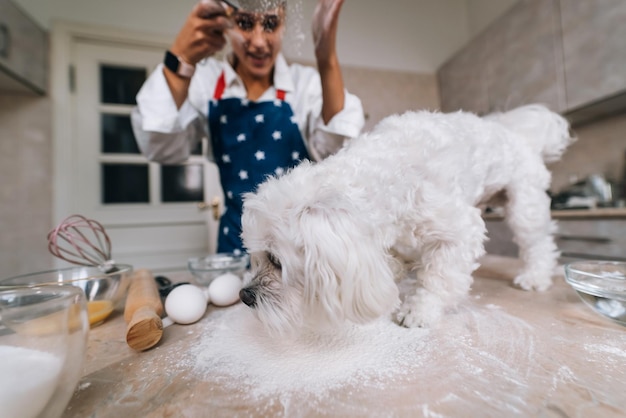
(26, 156)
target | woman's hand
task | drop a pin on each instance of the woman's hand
(202, 35)
(325, 22)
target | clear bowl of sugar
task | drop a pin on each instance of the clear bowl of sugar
(43, 340)
(601, 285)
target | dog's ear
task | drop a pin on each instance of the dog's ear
(346, 269)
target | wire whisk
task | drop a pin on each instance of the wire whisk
(82, 241)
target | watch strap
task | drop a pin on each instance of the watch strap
(177, 65)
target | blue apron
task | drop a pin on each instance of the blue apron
(251, 141)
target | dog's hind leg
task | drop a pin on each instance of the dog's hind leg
(451, 242)
(528, 217)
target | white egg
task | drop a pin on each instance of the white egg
(224, 289)
(186, 304)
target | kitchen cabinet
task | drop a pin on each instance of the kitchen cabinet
(593, 49)
(23, 52)
(462, 80)
(499, 238)
(567, 54)
(597, 238)
(515, 61)
(524, 65)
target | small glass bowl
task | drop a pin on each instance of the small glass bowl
(205, 269)
(601, 285)
(105, 291)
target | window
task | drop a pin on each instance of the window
(125, 174)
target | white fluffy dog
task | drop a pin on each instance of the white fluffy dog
(329, 240)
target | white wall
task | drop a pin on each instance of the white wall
(403, 35)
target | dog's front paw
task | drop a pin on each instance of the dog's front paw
(529, 281)
(423, 309)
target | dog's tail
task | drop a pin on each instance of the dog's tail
(546, 131)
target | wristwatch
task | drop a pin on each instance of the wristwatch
(177, 65)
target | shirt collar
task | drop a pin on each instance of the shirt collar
(230, 76)
(282, 75)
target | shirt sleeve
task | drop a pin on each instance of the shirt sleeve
(324, 139)
(164, 133)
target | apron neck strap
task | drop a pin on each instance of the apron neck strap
(221, 86)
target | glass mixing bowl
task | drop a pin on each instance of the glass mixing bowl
(601, 285)
(205, 269)
(43, 340)
(105, 291)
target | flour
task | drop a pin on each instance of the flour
(605, 349)
(370, 354)
(28, 379)
(294, 30)
(359, 361)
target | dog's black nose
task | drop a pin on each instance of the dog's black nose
(247, 296)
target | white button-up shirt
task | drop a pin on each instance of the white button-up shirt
(167, 134)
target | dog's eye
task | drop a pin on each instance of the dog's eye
(274, 260)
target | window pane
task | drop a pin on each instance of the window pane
(117, 135)
(125, 183)
(119, 85)
(182, 183)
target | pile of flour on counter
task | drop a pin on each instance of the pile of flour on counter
(476, 350)
(236, 344)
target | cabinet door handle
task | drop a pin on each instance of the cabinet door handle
(584, 238)
(5, 41)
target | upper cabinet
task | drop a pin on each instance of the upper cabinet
(463, 79)
(23, 52)
(514, 62)
(594, 49)
(524, 64)
(567, 54)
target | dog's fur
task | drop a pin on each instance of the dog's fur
(328, 240)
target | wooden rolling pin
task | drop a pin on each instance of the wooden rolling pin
(143, 311)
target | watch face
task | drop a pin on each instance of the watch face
(171, 62)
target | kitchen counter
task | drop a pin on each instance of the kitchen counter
(590, 213)
(503, 352)
(598, 213)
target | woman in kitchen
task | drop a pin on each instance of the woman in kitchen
(261, 115)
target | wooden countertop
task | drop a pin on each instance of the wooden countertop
(596, 214)
(504, 352)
